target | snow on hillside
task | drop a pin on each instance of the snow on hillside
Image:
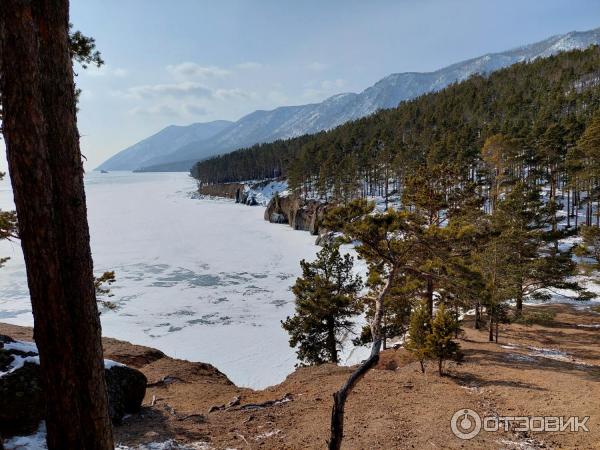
(263, 192)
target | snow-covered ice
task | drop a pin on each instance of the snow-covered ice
(204, 280)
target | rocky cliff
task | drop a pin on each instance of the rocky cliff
(227, 190)
(300, 214)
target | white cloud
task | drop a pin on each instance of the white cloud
(104, 71)
(234, 93)
(250, 65)
(317, 66)
(193, 70)
(178, 90)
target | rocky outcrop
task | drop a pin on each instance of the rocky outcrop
(227, 190)
(300, 214)
(240, 192)
(22, 399)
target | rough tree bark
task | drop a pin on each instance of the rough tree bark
(42, 143)
(339, 397)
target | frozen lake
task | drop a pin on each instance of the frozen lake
(204, 280)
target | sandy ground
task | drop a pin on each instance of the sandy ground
(394, 407)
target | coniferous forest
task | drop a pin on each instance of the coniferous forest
(532, 122)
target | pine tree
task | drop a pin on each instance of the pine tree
(418, 331)
(589, 248)
(497, 153)
(531, 260)
(325, 302)
(589, 146)
(398, 305)
(440, 343)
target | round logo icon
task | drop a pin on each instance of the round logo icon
(465, 424)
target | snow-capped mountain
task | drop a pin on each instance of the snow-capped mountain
(292, 121)
(163, 143)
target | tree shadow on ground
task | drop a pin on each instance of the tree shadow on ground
(158, 424)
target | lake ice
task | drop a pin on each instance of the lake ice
(204, 280)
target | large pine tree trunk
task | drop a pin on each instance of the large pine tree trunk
(46, 172)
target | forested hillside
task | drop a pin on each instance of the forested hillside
(529, 118)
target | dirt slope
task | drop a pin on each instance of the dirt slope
(534, 371)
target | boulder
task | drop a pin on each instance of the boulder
(126, 390)
(22, 399)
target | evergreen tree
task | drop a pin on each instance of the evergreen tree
(325, 302)
(589, 248)
(419, 329)
(589, 146)
(440, 343)
(498, 152)
(398, 305)
(530, 262)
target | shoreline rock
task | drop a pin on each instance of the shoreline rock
(22, 400)
(306, 215)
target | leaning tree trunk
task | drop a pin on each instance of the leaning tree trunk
(42, 145)
(339, 397)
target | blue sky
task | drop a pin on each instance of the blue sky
(184, 61)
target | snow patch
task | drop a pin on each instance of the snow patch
(30, 347)
(263, 193)
(266, 435)
(109, 364)
(549, 353)
(37, 441)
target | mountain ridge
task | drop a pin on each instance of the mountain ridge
(291, 121)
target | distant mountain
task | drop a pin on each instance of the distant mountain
(163, 143)
(292, 121)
